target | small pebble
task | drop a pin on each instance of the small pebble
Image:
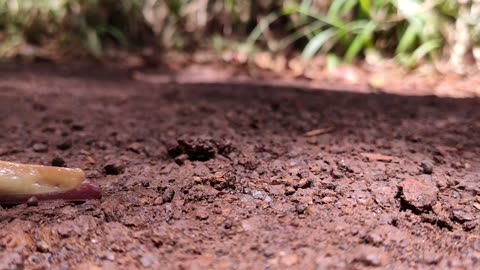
(146, 261)
(469, 225)
(202, 214)
(289, 260)
(327, 200)
(427, 167)
(40, 147)
(42, 246)
(300, 208)
(168, 195)
(158, 201)
(462, 216)
(304, 183)
(33, 201)
(181, 159)
(268, 252)
(227, 224)
(418, 196)
(374, 238)
(109, 256)
(336, 174)
(135, 147)
(289, 190)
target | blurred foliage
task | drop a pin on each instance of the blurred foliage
(409, 30)
(91, 23)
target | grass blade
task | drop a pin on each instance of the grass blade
(305, 31)
(407, 40)
(360, 40)
(335, 8)
(304, 6)
(316, 43)
(425, 49)
(365, 6)
(260, 28)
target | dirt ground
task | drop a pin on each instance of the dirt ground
(219, 176)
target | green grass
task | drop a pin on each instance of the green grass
(409, 30)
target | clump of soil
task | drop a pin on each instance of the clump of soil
(205, 176)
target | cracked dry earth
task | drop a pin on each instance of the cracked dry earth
(239, 176)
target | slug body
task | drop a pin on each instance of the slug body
(19, 182)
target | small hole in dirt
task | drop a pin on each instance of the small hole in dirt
(9, 206)
(395, 222)
(442, 224)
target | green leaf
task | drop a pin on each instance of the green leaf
(360, 40)
(304, 6)
(335, 8)
(407, 40)
(316, 43)
(304, 31)
(263, 24)
(425, 49)
(348, 6)
(365, 6)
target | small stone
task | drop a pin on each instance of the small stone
(202, 214)
(327, 200)
(336, 174)
(114, 167)
(58, 162)
(289, 260)
(289, 190)
(427, 167)
(158, 201)
(377, 157)
(135, 147)
(109, 256)
(374, 238)
(437, 208)
(168, 195)
(370, 256)
(420, 197)
(40, 147)
(268, 252)
(469, 225)
(462, 216)
(276, 190)
(42, 246)
(304, 183)
(476, 205)
(181, 159)
(228, 224)
(33, 201)
(300, 208)
(146, 261)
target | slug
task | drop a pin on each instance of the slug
(20, 182)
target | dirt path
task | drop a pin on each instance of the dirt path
(237, 177)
